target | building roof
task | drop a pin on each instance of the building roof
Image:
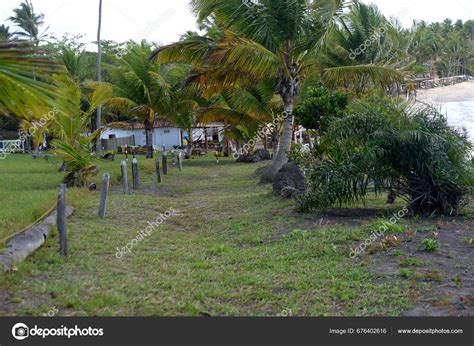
(160, 122)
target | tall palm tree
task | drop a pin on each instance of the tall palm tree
(29, 22)
(99, 75)
(278, 41)
(143, 88)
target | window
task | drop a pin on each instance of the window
(167, 131)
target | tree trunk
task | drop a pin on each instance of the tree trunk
(285, 145)
(99, 78)
(149, 139)
(206, 141)
(190, 142)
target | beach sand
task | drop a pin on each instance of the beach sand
(452, 93)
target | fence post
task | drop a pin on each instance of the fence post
(158, 173)
(61, 220)
(165, 163)
(103, 195)
(180, 162)
(126, 188)
(135, 173)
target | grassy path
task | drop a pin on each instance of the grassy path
(235, 249)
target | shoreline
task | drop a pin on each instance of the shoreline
(452, 93)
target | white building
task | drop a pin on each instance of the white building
(164, 134)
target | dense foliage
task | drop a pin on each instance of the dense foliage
(386, 144)
(319, 106)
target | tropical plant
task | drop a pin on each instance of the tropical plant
(318, 107)
(278, 41)
(29, 22)
(25, 92)
(70, 127)
(144, 88)
(388, 144)
(5, 34)
(99, 74)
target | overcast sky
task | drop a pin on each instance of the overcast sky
(164, 21)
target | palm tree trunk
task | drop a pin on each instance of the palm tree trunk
(99, 77)
(285, 144)
(190, 142)
(149, 139)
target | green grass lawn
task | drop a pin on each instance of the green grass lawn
(27, 190)
(235, 250)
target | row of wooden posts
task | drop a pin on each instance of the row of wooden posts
(61, 205)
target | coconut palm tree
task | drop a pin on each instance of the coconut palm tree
(25, 92)
(99, 75)
(29, 22)
(279, 41)
(143, 88)
(5, 34)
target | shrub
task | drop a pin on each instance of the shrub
(429, 245)
(388, 144)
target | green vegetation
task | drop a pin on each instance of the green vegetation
(235, 250)
(429, 245)
(384, 144)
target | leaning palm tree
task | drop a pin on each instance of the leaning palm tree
(25, 92)
(144, 88)
(29, 22)
(279, 41)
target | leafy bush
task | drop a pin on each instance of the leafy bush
(319, 107)
(386, 144)
(429, 245)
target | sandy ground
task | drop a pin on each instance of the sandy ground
(452, 93)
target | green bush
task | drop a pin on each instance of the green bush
(386, 144)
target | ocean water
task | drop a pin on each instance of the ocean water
(460, 115)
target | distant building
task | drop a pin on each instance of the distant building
(164, 133)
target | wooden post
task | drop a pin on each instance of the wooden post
(165, 163)
(104, 190)
(135, 173)
(61, 220)
(180, 162)
(126, 188)
(158, 173)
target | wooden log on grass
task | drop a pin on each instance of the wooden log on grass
(126, 188)
(61, 220)
(103, 195)
(135, 173)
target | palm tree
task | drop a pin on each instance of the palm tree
(5, 34)
(25, 92)
(99, 75)
(71, 124)
(28, 21)
(278, 41)
(144, 88)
